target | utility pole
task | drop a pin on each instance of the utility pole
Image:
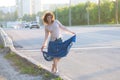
(117, 12)
(56, 12)
(99, 11)
(69, 12)
(88, 14)
(88, 19)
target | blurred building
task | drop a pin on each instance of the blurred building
(28, 7)
(10, 9)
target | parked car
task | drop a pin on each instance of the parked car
(26, 25)
(34, 24)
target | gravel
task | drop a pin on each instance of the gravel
(8, 72)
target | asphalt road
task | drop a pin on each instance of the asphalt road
(95, 55)
(86, 37)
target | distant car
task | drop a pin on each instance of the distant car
(26, 25)
(34, 25)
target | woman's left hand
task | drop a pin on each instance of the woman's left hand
(73, 33)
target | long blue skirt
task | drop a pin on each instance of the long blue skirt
(58, 48)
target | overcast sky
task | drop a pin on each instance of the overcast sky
(12, 2)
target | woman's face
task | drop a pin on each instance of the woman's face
(49, 19)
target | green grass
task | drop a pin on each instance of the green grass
(25, 67)
(1, 46)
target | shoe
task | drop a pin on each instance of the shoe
(57, 73)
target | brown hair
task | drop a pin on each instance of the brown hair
(46, 15)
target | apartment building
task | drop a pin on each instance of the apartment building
(28, 7)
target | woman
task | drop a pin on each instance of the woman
(53, 28)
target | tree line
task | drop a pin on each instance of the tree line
(88, 13)
(8, 16)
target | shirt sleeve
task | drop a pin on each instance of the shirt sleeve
(59, 23)
(63, 27)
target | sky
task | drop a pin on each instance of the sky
(7, 2)
(54, 1)
(64, 1)
(12, 2)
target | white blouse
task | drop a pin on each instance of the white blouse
(54, 30)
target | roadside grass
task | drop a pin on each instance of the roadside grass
(1, 46)
(25, 67)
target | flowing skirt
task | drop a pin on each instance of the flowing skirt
(58, 48)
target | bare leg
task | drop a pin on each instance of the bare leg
(54, 65)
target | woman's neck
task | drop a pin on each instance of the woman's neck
(50, 23)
